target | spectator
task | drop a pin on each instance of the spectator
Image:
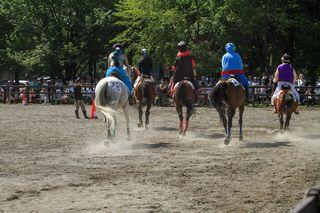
(163, 92)
(317, 90)
(78, 99)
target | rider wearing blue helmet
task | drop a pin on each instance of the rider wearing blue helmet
(116, 60)
(232, 66)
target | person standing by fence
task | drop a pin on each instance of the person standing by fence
(78, 99)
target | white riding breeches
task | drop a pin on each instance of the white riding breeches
(276, 93)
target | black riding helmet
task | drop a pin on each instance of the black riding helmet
(182, 46)
(117, 45)
(285, 58)
(144, 52)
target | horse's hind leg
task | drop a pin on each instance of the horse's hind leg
(286, 125)
(147, 115)
(188, 115)
(126, 114)
(241, 109)
(179, 111)
(109, 135)
(231, 112)
(140, 123)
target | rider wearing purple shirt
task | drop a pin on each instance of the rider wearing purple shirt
(285, 74)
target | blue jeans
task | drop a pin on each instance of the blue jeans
(123, 76)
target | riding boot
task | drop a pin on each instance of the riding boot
(77, 114)
(84, 112)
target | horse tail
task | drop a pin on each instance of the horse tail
(218, 94)
(101, 101)
(146, 91)
(183, 96)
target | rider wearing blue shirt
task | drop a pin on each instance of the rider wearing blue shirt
(232, 66)
(116, 59)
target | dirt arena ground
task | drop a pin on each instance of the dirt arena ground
(52, 162)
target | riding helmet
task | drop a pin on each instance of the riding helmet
(182, 46)
(117, 45)
(285, 58)
(144, 52)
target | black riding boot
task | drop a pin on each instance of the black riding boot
(77, 114)
(84, 112)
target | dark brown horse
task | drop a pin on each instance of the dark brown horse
(226, 97)
(183, 95)
(145, 92)
(285, 104)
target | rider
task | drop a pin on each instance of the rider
(144, 66)
(116, 60)
(184, 66)
(285, 75)
(232, 66)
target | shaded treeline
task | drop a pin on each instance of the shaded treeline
(67, 38)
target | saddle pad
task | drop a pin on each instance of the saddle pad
(234, 81)
(186, 82)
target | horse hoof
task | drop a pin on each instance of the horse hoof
(128, 138)
(226, 141)
(107, 142)
(139, 124)
(147, 127)
(240, 138)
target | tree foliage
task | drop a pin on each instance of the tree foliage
(65, 38)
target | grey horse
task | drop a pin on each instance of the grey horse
(112, 94)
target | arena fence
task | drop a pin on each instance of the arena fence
(258, 95)
(311, 203)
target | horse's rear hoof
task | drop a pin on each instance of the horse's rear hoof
(240, 138)
(139, 124)
(227, 141)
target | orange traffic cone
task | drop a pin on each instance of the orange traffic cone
(93, 112)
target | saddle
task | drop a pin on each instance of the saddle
(286, 86)
(115, 74)
(146, 78)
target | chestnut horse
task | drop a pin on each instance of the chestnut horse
(226, 97)
(183, 95)
(145, 92)
(285, 104)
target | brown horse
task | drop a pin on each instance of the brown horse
(145, 93)
(226, 97)
(285, 104)
(183, 95)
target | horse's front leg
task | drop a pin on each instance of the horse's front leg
(147, 115)
(286, 125)
(241, 110)
(179, 111)
(126, 114)
(280, 116)
(231, 112)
